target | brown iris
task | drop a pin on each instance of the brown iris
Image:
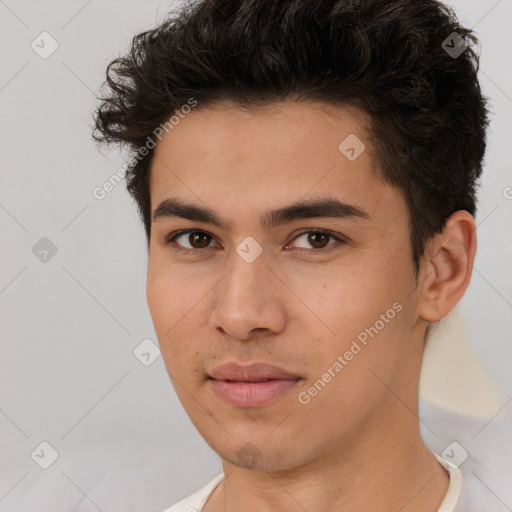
(314, 238)
(202, 239)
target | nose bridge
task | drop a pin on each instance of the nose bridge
(246, 298)
(246, 281)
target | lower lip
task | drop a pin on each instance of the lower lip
(252, 394)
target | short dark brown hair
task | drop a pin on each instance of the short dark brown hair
(389, 58)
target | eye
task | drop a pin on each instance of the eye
(199, 241)
(318, 239)
(196, 239)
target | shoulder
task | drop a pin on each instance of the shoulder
(195, 502)
(483, 489)
(468, 491)
(485, 455)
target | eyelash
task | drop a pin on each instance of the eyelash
(170, 240)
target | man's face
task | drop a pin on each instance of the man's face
(278, 292)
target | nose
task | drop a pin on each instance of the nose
(250, 301)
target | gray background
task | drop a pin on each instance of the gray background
(69, 326)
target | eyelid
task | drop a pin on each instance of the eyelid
(169, 239)
(337, 236)
(341, 239)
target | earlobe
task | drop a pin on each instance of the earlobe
(449, 256)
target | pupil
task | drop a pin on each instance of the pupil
(196, 237)
(313, 239)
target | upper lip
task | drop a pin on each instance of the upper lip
(254, 372)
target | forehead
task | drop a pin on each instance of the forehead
(258, 159)
(226, 130)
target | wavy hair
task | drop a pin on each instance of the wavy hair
(428, 117)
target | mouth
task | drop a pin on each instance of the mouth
(253, 372)
(250, 386)
(252, 393)
(251, 381)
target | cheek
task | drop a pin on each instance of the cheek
(367, 321)
(158, 299)
(348, 301)
(175, 304)
(166, 309)
(351, 373)
(170, 293)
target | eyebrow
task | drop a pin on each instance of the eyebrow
(324, 207)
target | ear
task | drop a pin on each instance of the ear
(447, 267)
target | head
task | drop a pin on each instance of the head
(324, 156)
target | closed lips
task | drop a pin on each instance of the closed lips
(255, 372)
(255, 380)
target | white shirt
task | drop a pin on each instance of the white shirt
(451, 502)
